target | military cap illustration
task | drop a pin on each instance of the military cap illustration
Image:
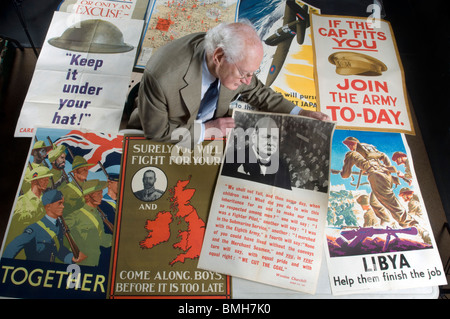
(113, 172)
(93, 186)
(397, 155)
(51, 196)
(350, 140)
(79, 162)
(93, 36)
(354, 63)
(38, 173)
(363, 200)
(41, 144)
(56, 152)
(406, 190)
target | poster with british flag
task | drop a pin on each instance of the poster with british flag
(59, 235)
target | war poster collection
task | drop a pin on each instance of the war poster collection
(282, 203)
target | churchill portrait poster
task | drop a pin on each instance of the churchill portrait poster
(359, 75)
(266, 222)
(82, 75)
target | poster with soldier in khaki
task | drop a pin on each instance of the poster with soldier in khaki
(59, 236)
(378, 233)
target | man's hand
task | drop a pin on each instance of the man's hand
(218, 127)
(315, 115)
(80, 258)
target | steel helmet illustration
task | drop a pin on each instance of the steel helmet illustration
(93, 36)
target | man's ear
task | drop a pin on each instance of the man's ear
(218, 56)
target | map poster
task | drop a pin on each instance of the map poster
(82, 74)
(267, 218)
(169, 20)
(359, 75)
(59, 235)
(378, 233)
(165, 196)
(287, 66)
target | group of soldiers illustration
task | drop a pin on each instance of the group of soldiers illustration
(382, 208)
(62, 216)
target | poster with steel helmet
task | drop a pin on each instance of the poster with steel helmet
(82, 74)
(359, 76)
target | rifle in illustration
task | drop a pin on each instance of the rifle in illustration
(356, 236)
(361, 173)
(73, 245)
(103, 169)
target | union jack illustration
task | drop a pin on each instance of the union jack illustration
(93, 147)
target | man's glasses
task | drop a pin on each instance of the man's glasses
(245, 76)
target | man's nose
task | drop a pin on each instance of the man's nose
(247, 80)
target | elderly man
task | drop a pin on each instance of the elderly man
(173, 102)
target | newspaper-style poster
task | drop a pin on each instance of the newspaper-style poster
(378, 232)
(165, 196)
(82, 74)
(287, 66)
(267, 217)
(120, 9)
(58, 240)
(169, 20)
(359, 74)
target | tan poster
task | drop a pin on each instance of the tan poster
(359, 75)
(165, 194)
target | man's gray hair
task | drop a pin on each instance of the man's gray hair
(233, 38)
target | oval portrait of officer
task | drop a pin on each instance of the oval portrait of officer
(149, 184)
